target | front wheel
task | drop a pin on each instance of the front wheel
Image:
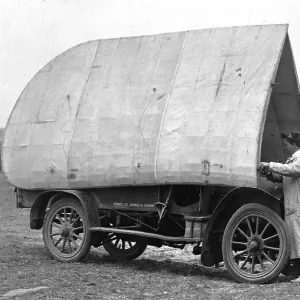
(255, 244)
(65, 231)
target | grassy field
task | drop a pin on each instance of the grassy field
(162, 273)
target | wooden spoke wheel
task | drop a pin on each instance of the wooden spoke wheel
(65, 231)
(255, 245)
(125, 247)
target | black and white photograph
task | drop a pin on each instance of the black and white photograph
(149, 149)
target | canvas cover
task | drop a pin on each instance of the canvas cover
(185, 107)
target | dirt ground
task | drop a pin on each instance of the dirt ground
(162, 273)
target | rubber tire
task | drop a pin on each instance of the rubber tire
(271, 216)
(139, 249)
(86, 245)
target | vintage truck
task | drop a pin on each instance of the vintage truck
(156, 140)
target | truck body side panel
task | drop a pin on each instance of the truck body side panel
(175, 108)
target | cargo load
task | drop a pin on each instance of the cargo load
(193, 107)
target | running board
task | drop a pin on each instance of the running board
(146, 234)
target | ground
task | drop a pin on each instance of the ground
(162, 273)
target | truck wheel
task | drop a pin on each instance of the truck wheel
(255, 244)
(65, 232)
(122, 247)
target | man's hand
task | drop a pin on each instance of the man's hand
(264, 168)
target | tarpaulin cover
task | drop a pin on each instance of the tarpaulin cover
(185, 107)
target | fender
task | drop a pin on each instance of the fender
(231, 202)
(38, 210)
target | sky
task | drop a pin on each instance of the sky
(32, 32)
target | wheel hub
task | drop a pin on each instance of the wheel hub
(66, 231)
(255, 245)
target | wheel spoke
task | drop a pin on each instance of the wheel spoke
(109, 240)
(77, 228)
(257, 225)
(243, 233)
(74, 242)
(272, 248)
(117, 241)
(239, 253)
(59, 218)
(71, 215)
(253, 264)
(75, 220)
(267, 257)
(261, 262)
(244, 263)
(58, 241)
(54, 234)
(249, 225)
(123, 245)
(239, 243)
(270, 237)
(66, 215)
(77, 236)
(63, 246)
(70, 246)
(130, 245)
(264, 230)
(56, 225)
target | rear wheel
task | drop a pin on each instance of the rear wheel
(255, 245)
(65, 231)
(125, 247)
